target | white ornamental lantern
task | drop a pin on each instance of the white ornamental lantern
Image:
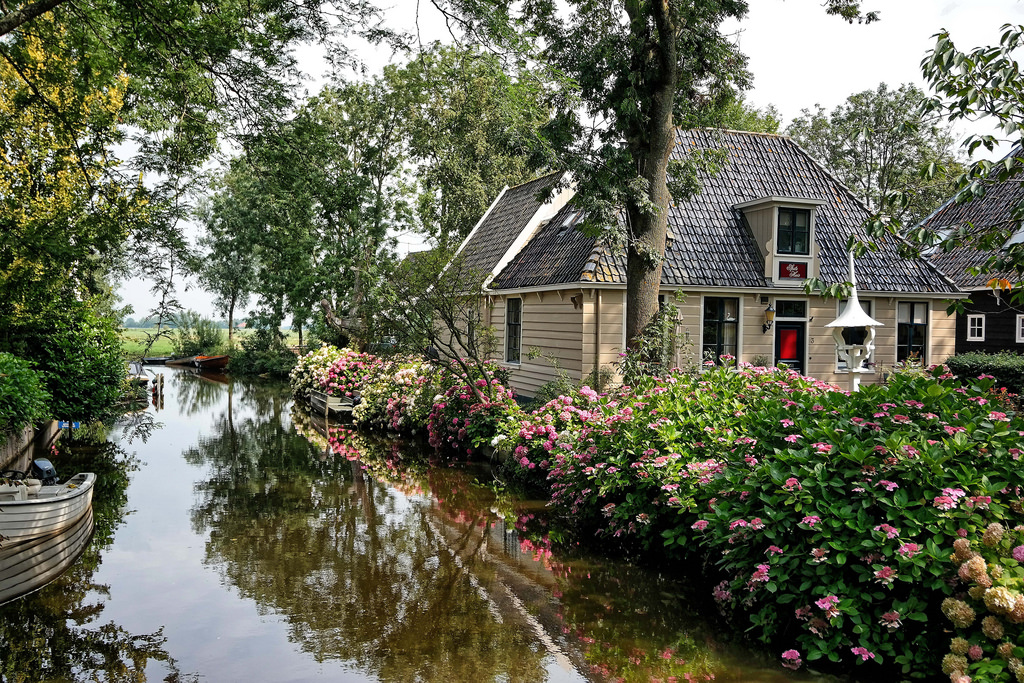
(854, 317)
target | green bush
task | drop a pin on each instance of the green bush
(1007, 368)
(263, 353)
(828, 517)
(80, 359)
(195, 335)
(23, 400)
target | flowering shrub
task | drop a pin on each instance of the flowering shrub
(346, 375)
(311, 370)
(828, 515)
(459, 419)
(392, 394)
(989, 614)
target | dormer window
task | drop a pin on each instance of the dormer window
(794, 231)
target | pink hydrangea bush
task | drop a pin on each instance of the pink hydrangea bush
(826, 515)
(311, 369)
(462, 419)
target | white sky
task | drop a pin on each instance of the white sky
(799, 57)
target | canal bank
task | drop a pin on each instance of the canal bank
(240, 549)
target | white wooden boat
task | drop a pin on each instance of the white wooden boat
(28, 509)
(322, 402)
(29, 565)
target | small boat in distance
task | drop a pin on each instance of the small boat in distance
(28, 509)
(156, 360)
(211, 362)
(189, 361)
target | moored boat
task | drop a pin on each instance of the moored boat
(31, 564)
(211, 362)
(156, 360)
(189, 361)
(29, 509)
(339, 406)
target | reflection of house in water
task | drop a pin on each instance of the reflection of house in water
(516, 589)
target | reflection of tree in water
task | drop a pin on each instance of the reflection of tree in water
(55, 633)
(354, 567)
(195, 394)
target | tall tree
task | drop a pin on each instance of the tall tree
(227, 266)
(469, 127)
(630, 72)
(982, 86)
(877, 142)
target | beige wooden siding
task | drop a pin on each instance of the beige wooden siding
(941, 333)
(603, 328)
(762, 224)
(551, 330)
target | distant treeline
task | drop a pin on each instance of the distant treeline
(149, 323)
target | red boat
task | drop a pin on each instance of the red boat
(211, 362)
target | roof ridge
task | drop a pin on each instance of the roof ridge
(527, 182)
(742, 132)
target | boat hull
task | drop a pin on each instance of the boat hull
(29, 565)
(211, 362)
(322, 402)
(50, 510)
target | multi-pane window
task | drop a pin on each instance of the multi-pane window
(513, 329)
(721, 327)
(911, 330)
(794, 231)
(1020, 329)
(855, 335)
(976, 327)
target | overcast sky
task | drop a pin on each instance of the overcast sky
(799, 57)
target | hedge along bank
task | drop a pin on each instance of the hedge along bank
(851, 528)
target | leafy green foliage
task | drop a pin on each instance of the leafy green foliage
(471, 129)
(829, 516)
(1007, 368)
(879, 144)
(23, 400)
(263, 353)
(195, 335)
(78, 354)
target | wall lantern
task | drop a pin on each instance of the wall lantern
(769, 318)
(854, 317)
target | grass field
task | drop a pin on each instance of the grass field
(133, 341)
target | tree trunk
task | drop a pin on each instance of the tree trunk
(231, 320)
(650, 148)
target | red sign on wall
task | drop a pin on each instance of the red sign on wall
(792, 270)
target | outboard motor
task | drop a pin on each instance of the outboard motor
(44, 471)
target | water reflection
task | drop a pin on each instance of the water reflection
(58, 633)
(353, 564)
(266, 544)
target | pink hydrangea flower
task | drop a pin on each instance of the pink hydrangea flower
(810, 520)
(791, 659)
(863, 653)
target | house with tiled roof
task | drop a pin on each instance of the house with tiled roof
(989, 322)
(770, 219)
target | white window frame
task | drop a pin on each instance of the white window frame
(979, 318)
(869, 308)
(519, 328)
(1020, 328)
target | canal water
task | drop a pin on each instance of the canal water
(238, 538)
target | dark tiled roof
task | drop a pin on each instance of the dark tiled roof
(711, 245)
(503, 224)
(557, 253)
(994, 209)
